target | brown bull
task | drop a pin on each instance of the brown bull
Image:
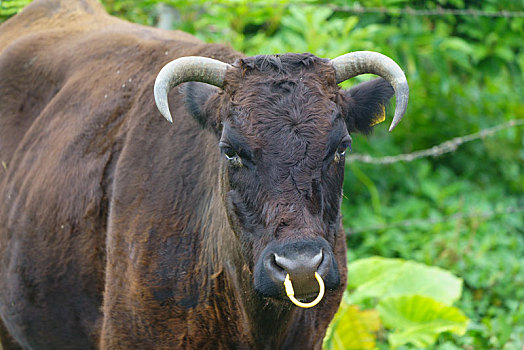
(119, 230)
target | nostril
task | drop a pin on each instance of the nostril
(275, 258)
(276, 271)
(324, 265)
(321, 259)
(282, 262)
(317, 260)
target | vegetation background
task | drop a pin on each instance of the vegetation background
(464, 59)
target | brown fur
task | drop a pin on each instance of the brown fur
(117, 230)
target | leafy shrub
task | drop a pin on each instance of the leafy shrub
(413, 301)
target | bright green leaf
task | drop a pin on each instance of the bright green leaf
(419, 320)
(352, 328)
(378, 277)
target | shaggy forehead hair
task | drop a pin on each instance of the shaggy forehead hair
(285, 102)
(291, 63)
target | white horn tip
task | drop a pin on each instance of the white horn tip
(402, 93)
(394, 123)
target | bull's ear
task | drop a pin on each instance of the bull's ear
(199, 99)
(364, 105)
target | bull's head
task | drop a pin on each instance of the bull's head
(283, 127)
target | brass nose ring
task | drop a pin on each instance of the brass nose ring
(291, 293)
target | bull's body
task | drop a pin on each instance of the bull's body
(94, 177)
(116, 228)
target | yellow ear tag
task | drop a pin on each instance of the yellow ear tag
(379, 118)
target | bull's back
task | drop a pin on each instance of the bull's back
(75, 84)
(46, 43)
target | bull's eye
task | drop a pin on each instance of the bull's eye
(231, 155)
(342, 148)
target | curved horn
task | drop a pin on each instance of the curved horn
(362, 62)
(183, 69)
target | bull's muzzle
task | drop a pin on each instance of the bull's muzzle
(300, 270)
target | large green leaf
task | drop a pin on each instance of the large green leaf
(419, 320)
(352, 328)
(378, 277)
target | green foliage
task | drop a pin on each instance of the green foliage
(465, 74)
(414, 302)
(419, 320)
(378, 277)
(352, 328)
(9, 8)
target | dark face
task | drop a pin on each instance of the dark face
(283, 127)
(284, 142)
